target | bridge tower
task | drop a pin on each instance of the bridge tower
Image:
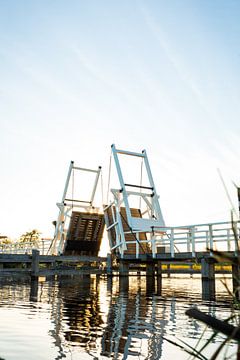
(80, 224)
(134, 230)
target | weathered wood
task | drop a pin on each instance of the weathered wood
(150, 284)
(208, 268)
(222, 326)
(109, 264)
(236, 280)
(123, 268)
(34, 289)
(123, 283)
(35, 263)
(84, 234)
(150, 269)
(208, 278)
(129, 237)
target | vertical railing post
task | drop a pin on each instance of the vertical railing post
(172, 243)
(137, 245)
(211, 237)
(193, 240)
(228, 240)
(188, 241)
(154, 246)
(207, 239)
(235, 232)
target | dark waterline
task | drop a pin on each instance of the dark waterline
(92, 317)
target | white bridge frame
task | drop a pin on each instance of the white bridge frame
(152, 213)
(222, 236)
(66, 207)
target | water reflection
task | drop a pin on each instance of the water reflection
(109, 317)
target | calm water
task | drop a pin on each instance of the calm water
(98, 318)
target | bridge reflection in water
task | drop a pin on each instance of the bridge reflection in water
(125, 317)
(95, 317)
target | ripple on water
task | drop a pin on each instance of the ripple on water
(85, 319)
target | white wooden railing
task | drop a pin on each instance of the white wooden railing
(192, 239)
(25, 247)
(222, 236)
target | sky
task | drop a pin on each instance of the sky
(77, 76)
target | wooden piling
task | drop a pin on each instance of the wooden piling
(159, 277)
(236, 280)
(34, 289)
(35, 264)
(150, 269)
(123, 268)
(208, 278)
(109, 264)
(123, 284)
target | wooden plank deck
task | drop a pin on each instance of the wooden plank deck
(84, 234)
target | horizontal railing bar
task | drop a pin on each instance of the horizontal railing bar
(140, 186)
(108, 206)
(111, 226)
(79, 201)
(131, 153)
(142, 194)
(85, 169)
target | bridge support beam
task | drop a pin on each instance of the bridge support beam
(123, 268)
(34, 289)
(123, 284)
(150, 277)
(208, 278)
(35, 264)
(109, 264)
(236, 280)
(159, 277)
(150, 269)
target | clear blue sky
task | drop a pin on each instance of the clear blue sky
(77, 76)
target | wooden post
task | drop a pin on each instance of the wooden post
(150, 284)
(159, 278)
(236, 280)
(150, 269)
(123, 284)
(34, 289)
(208, 278)
(168, 270)
(123, 268)
(150, 278)
(109, 264)
(35, 264)
(109, 284)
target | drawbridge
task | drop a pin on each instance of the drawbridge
(79, 227)
(130, 228)
(137, 230)
(134, 222)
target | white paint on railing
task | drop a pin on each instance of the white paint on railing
(25, 248)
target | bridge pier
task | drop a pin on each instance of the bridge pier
(159, 277)
(34, 289)
(150, 269)
(208, 278)
(123, 283)
(236, 280)
(123, 268)
(35, 264)
(109, 264)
